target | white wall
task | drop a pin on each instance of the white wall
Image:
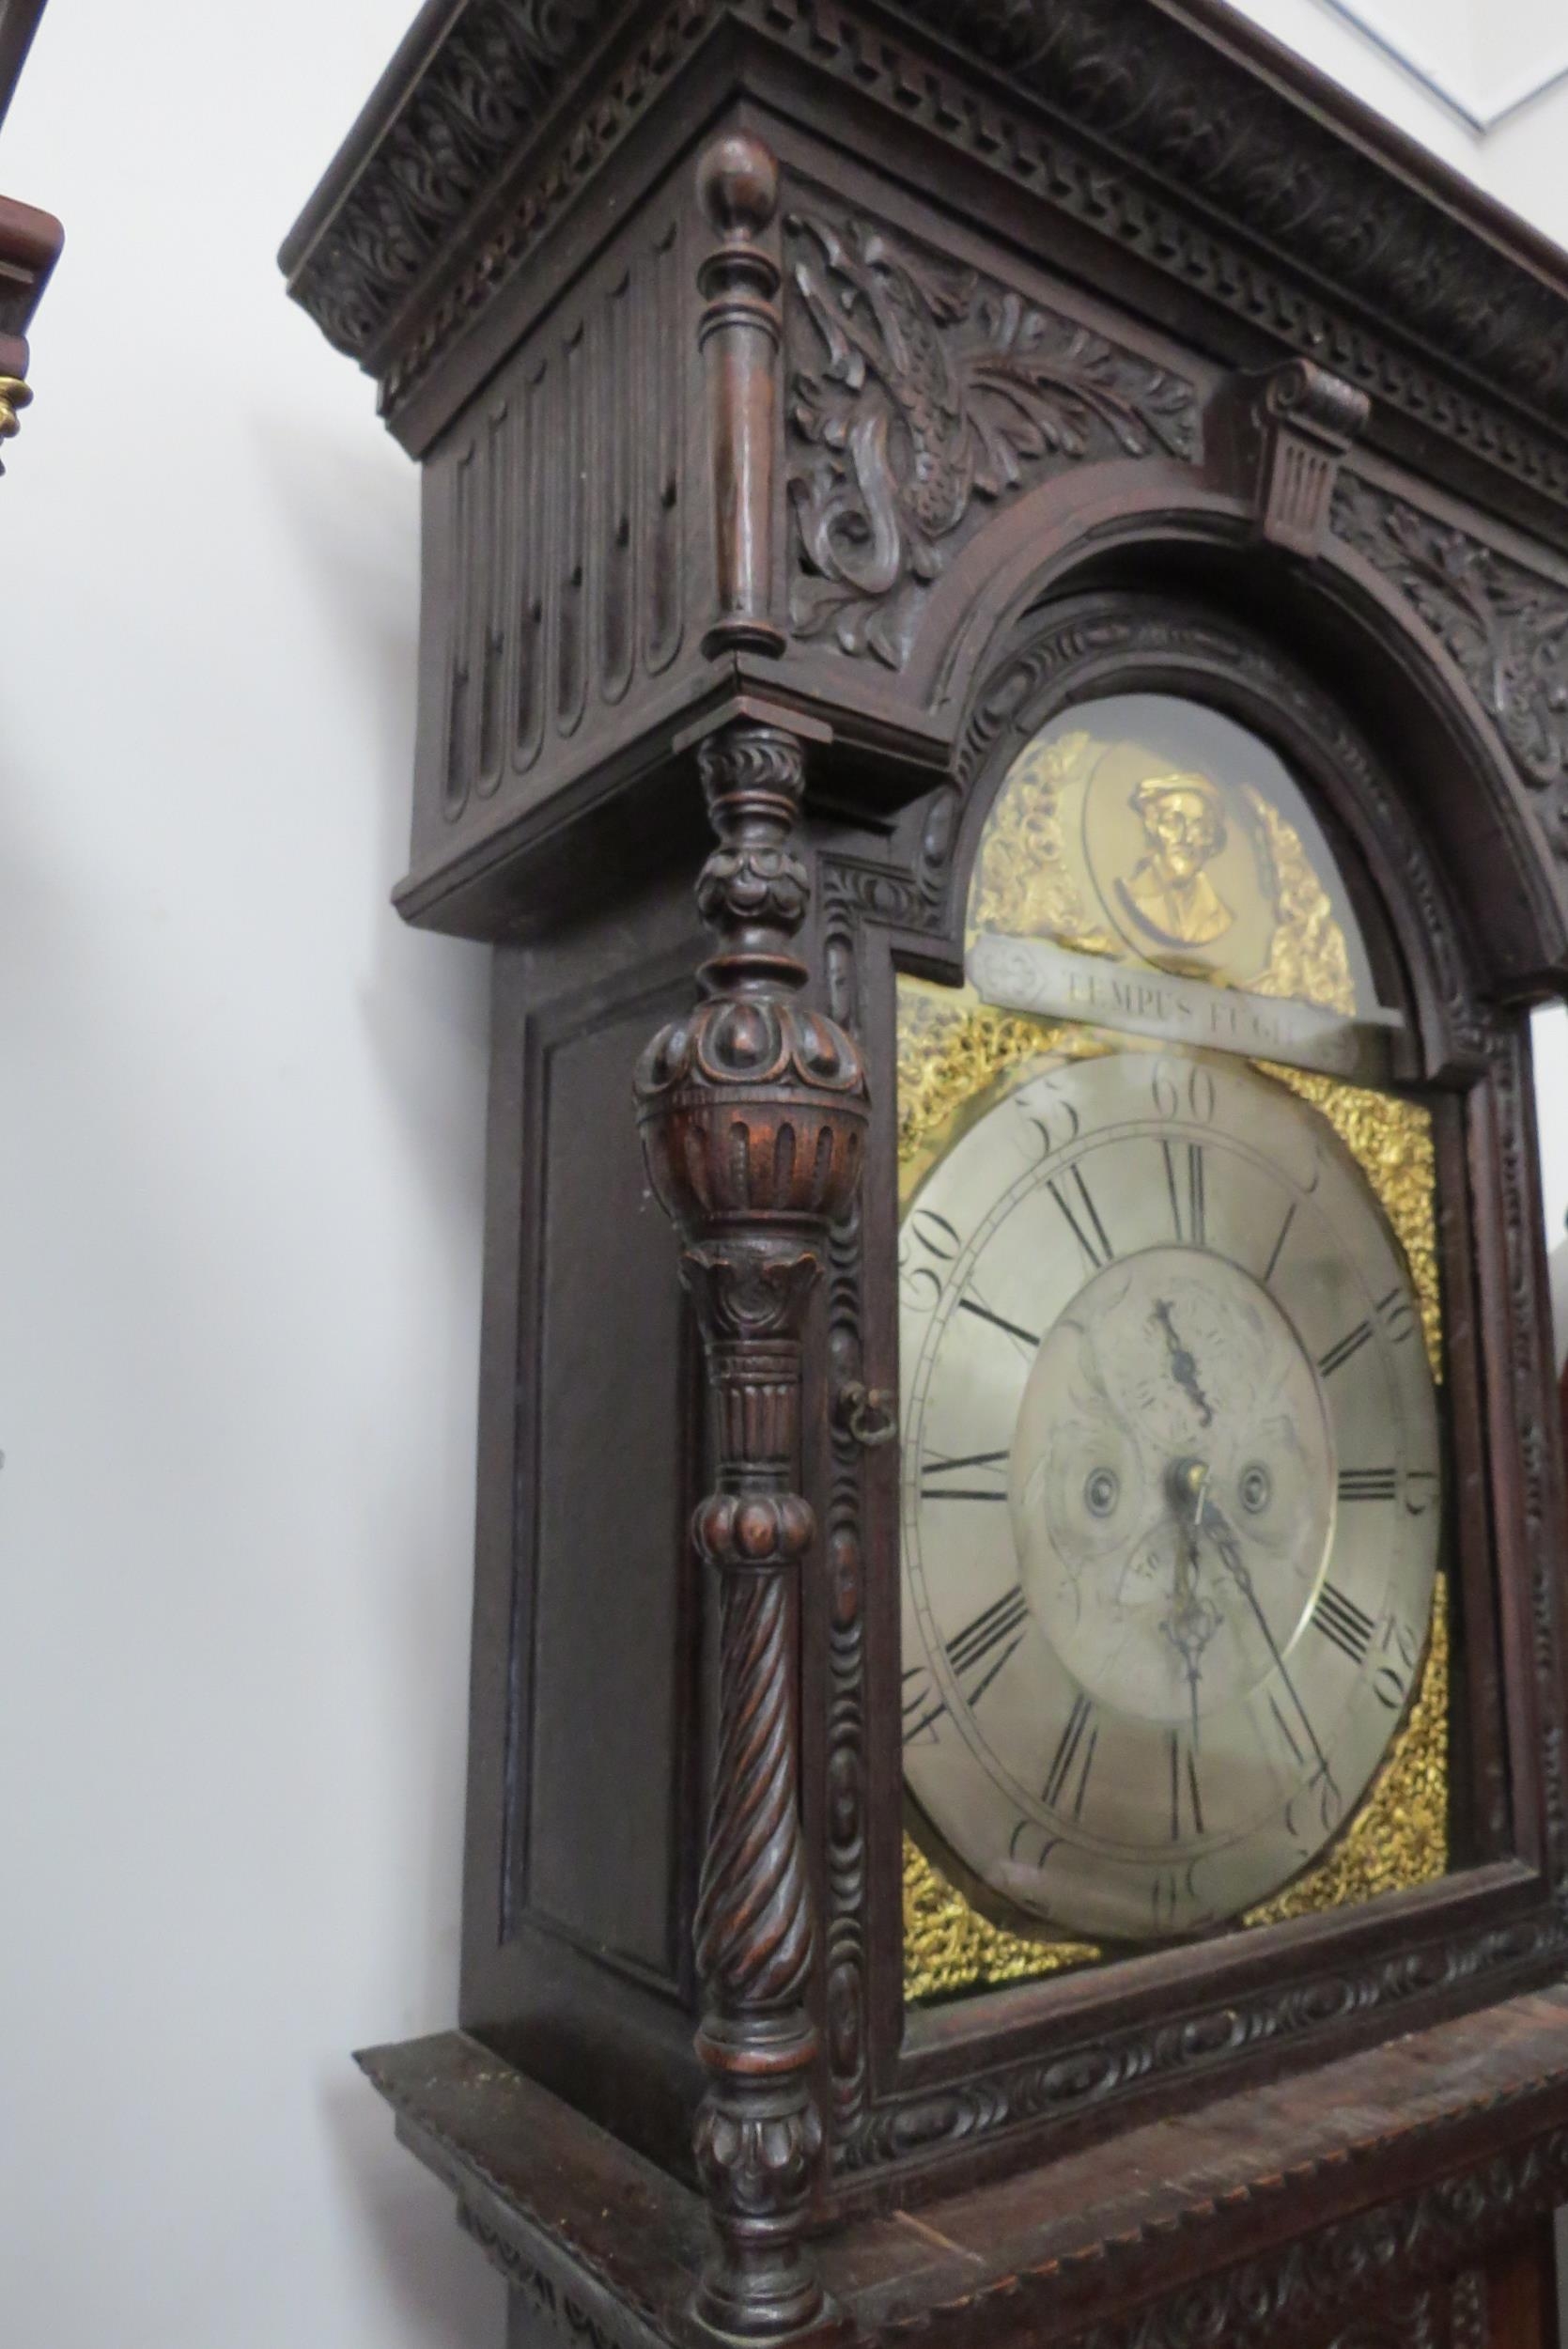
(239, 1229)
(238, 1246)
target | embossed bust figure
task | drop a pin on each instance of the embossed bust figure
(1167, 892)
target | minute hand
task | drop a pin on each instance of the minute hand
(1218, 1527)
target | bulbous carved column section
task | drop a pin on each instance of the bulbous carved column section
(752, 1112)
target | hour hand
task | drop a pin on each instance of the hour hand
(1184, 1366)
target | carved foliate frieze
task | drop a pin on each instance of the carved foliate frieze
(562, 505)
(1084, 2077)
(920, 395)
(1505, 628)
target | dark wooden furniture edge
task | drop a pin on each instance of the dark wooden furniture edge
(30, 240)
(434, 46)
(19, 21)
(1404, 2162)
(30, 244)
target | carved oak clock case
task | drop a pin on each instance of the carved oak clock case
(993, 666)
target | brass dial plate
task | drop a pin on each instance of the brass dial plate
(1170, 1493)
(952, 1053)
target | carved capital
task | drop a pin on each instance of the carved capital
(1297, 422)
(750, 1292)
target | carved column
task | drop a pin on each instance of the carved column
(752, 1112)
(740, 333)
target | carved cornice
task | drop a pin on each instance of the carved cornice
(1201, 123)
(1505, 627)
(379, 226)
(479, 93)
(475, 151)
(1041, 146)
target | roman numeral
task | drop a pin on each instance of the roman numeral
(1189, 1208)
(1339, 1355)
(1280, 1244)
(1002, 1622)
(1083, 1218)
(995, 1463)
(1072, 1748)
(1183, 1786)
(1379, 1484)
(1342, 1621)
(983, 1312)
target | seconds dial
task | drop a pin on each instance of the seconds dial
(1170, 1495)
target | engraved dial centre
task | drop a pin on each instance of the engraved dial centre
(1172, 1485)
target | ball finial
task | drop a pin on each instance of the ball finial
(737, 185)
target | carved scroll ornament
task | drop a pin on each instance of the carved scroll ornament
(917, 389)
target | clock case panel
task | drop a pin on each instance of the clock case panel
(589, 1728)
(998, 2076)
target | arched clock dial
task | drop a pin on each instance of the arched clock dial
(1171, 1493)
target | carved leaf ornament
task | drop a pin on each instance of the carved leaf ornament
(918, 388)
(1505, 628)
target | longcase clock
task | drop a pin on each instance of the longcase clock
(993, 665)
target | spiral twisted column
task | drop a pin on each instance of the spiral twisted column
(752, 1112)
